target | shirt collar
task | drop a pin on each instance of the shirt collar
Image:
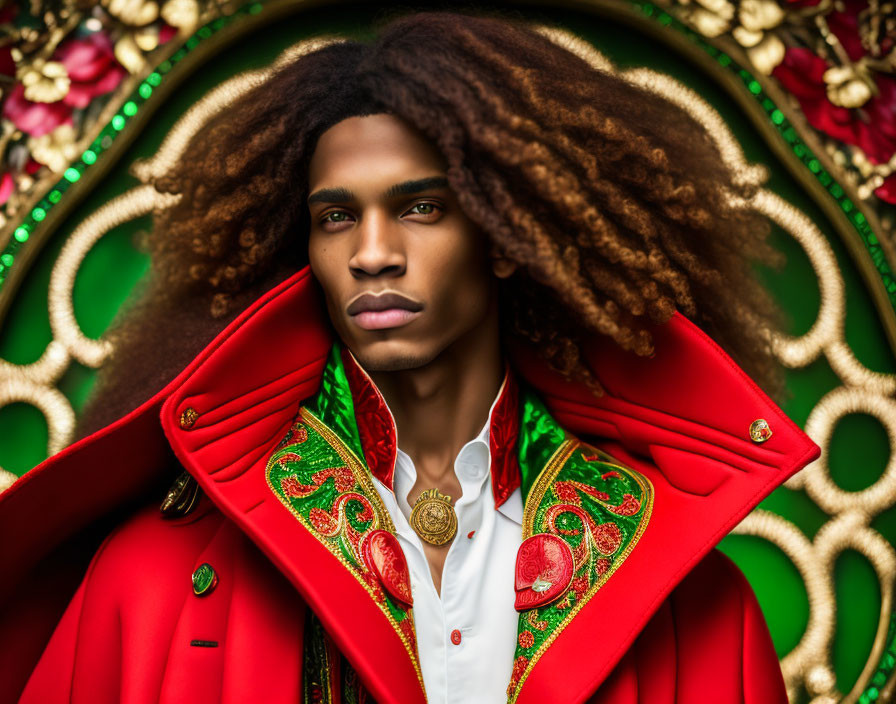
(378, 438)
(512, 507)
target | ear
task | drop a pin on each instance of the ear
(501, 266)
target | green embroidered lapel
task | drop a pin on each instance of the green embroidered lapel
(599, 507)
(317, 473)
(574, 491)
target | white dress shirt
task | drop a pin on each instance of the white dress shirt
(477, 582)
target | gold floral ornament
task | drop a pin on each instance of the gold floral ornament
(709, 17)
(44, 81)
(849, 86)
(56, 149)
(141, 15)
(756, 17)
(183, 14)
(136, 13)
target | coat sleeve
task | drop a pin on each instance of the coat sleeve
(52, 680)
(708, 642)
(725, 649)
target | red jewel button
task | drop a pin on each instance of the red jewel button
(384, 557)
(544, 569)
(455, 637)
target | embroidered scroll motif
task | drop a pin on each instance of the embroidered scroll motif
(324, 485)
(600, 508)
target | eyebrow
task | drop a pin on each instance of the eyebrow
(343, 195)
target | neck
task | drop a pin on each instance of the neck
(442, 405)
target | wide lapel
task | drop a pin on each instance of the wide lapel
(666, 469)
(577, 494)
(236, 424)
(318, 474)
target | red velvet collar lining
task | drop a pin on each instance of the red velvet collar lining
(376, 426)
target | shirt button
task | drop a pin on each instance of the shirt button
(455, 637)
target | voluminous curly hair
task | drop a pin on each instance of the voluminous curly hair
(614, 202)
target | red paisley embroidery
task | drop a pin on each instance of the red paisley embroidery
(519, 667)
(607, 538)
(568, 491)
(629, 506)
(345, 481)
(407, 628)
(291, 485)
(335, 522)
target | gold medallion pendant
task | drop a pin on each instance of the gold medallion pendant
(433, 517)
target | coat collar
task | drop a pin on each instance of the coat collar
(680, 420)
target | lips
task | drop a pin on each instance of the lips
(385, 301)
(387, 310)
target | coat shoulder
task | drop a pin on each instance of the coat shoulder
(147, 543)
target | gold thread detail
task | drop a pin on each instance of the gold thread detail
(545, 479)
(381, 516)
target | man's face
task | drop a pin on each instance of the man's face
(405, 273)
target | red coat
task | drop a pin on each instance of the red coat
(675, 621)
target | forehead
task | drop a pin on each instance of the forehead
(372, 147)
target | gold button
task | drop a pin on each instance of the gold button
(188, 417)
(759, 430)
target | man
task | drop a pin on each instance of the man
(563, 554)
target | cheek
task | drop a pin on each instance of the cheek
(465, 283)
(320, 259)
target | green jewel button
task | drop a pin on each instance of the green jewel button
(204, 579)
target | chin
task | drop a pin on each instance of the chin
(390, 356)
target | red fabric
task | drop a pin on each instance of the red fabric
(707, 642)
(681, 418)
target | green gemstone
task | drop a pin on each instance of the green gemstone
(130, 108)
(89, 157)
(21, 234)
(204, 579)
(145, 90)
(6, 259)
(72, 174)
(38, 214)
(118, 122)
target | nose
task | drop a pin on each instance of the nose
(379, 249)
